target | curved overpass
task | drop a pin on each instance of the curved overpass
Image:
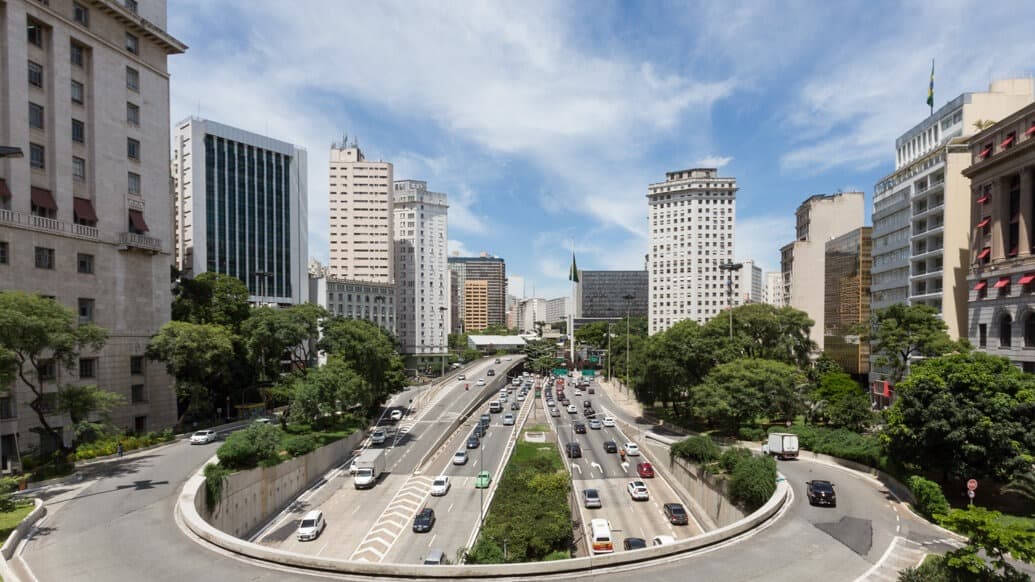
(118, 524)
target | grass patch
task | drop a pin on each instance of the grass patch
(327, 433)
(526, 453)
(1017, 522)
(10, 520)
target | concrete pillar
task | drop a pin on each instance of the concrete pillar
(1027, 217)
(1000, 208)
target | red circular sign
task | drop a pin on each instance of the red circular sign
(972, 484)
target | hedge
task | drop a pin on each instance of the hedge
(245, 449)
(753, 482)
(732, 457)
(930, 501)
(698, 449)
(839, 442)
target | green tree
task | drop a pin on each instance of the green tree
(842, 402)
(1023, 484)
(669, 363)
(39, 338)
(741, 391)
(329, 389)
(196, 356)
(470, 354)
(900, 332)
(992, 539)
(593, 334)
(761, 331)
(211, 298)
(271, 335)
(963, 415)
(458, 341)
(89, 410)
(367, 350)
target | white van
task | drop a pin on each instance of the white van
(495, 406)
(600, 536)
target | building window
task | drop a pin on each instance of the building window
(44, 258)
(1005, 332)
(87, 367)
(36, 74)
(136, 365)
(1029, 331)
(137, 394)
(35, 32)
(140, 424)
(6, 408)
(131, 5)
(48, 370)
(35, 116)
(78, 93)
(78, 131)
(81, 14)
(132, 44)
(132, 79)
(77, 54)
(78, 168)
(983, 335)
(132, 114)
(132, 148)
(85, 310)
(5, 250)
(134, 183)
(84, 263)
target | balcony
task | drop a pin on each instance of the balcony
(129, 240)
(47, 225)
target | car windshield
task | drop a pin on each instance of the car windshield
(440, 482)
(676, 510)
(591, 493)
(825, 487)
(308, 523)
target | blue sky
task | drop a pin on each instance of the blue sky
(544, 122)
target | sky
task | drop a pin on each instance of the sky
(545, 121)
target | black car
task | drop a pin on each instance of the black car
(589, 412)
(634, 543)
(424, 521)
(579, 428)
(491, 372)
(478, 431)
(821, 493)
(473, 442)
(485, 420)
(587, 404)
(610, 447)
(573, 450)
(676, 514)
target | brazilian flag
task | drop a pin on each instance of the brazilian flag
(930, 88)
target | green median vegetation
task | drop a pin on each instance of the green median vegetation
(530, 513)
(752, 480)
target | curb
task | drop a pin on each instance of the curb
(23, 527)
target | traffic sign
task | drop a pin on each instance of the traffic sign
(970, 494)
(972, 485)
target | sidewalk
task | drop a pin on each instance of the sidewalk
(621, 396)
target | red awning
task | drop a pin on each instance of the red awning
(1025, 279)
(1006, 142)
(984, 198)
(1002, 282)
(984, 153)
(1031, 130)
(980, 285)
(5, 192)
(985, 252)
(43, 198)
(136, 218)
(984, 222)
(84, 209)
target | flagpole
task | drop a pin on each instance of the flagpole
(571, 313)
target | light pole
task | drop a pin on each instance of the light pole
(442, 327)
(628, 300)
(729, 266)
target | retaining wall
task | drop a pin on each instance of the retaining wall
(709, 491)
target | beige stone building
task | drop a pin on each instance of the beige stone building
(86, 214)
(1001, 273)
(476, 305)
(361, 219)
(819, 219)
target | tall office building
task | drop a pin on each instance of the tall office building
(421, 274)
(241, 209)
(847, 300)
(773, 291)
(611, 294)
(361, 218)
(492, 270)
(691, 233)
(819, 219)
(557, 310)
(476, 305)
(748, 282)
(921, 211)
(85, 215)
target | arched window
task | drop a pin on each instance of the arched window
(1005, 333)
(1029, 330)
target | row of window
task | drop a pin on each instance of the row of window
(81, 14)
(78, 52)
(38, 155)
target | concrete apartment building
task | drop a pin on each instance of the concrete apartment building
(492, 270)
(557, 310)
(749, 282)
(421, 272)
(529, 311)
(85, 214)
(241, 208)
(476, 305)
(1001, 269)
(361, 216)
(602, 294)
(772, 293)
(691, 233)
(820, 218)
(922, 211)
(848, 261)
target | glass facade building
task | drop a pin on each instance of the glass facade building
(846, 303)
(601, 294)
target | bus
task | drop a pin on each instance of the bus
(600, 536)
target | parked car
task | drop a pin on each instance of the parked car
(595, 424)
(631, 450)
(645, 470)
(610, 447)
(609, 421)
(440, 486)
(591, 499)
(311, 526)
(460, 458)
(573, 450)
(634, 543)
(821, 493)
(579, 428)
(676, 514)
(638, 491)
(662, 540)
(482, 480)
(424, 521)
(203, 437)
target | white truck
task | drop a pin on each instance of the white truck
(783, 445)
(367, 467)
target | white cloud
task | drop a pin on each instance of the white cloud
(457, 248)
(760, 238)
(714, 161)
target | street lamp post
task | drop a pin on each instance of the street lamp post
(628, 311)
(729, 266)
(442, 326)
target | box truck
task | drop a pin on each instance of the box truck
(783, 445)
(368, 467)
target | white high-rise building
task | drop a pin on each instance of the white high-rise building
(529, 311)
(748, 283)
(421, 271)
(773, 292)
(241, 209)
(557, 310)
(691, 229)
(361, 221)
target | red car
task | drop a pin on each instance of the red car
(645, 470)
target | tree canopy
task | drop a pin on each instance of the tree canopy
(900, 332)
(211, 298)
(369, 351)
(743, 390)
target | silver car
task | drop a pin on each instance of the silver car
(591, 499)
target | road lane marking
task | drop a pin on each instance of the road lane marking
(598, 468)
(432, 540)
(575, 465)
(450, 507)
(357, 509)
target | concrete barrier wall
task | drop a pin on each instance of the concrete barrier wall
(23, 527)
(250, 498)
(709, 491)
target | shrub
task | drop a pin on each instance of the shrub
(215, 478)
(698, 449)
(8, 485)
(751, 433)
(932, 569)
(930, 501)
(247, 448)
(732, 457)
(842, 443)
(485, 552)
(300, 445)
(753, 482)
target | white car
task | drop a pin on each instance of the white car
(460, 458)
(572, 409)
(638, 491)
(631, 450)
(440, 486)
(481, 381)
(578, 392)
(203, 437)
(508, 419)
(609, 421)
(662, 540)
(311, 526)
(397, 415)
(461, 377)
(378, 436)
